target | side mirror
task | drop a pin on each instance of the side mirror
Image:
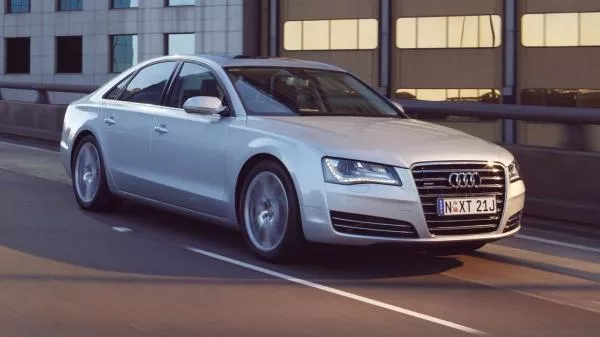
(204, 105)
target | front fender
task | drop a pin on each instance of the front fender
(301, 161)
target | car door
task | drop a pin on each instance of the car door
(188, 149)
(128, 124)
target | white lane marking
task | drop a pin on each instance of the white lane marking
(558, 243)
(33, 148)
(339, 292)
(122, 229)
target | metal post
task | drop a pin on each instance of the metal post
(43, 97)
(384, 47)
(273, 27)
(509, 78)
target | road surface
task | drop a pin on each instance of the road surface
(142, 272)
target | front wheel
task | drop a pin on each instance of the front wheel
(269, 213)
(89, 176)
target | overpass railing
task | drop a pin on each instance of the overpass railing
(558, 148)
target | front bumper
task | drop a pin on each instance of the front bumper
(401, 205)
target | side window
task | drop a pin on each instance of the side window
(148, 85)
(114, 92)
(194, 80)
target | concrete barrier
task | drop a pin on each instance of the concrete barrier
(40, 121)
(561, 184)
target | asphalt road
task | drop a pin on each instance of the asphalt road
(143, 272)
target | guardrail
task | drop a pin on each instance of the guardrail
(503, 111)
(550, 143)
(42, 89)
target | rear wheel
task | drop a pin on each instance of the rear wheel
(89, 176)
(269, 213)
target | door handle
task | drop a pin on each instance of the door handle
(161, 129)
(110, 121)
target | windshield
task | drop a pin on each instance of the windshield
(306, 92)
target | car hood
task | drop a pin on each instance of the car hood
(393, 141)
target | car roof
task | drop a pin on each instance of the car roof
(226, 61)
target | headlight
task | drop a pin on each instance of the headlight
(513, 172)
(349, 172)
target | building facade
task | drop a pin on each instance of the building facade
(538, 52)
(89, 41)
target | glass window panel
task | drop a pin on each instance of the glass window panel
(532, 30)
(590, 29)
(181, 44)
(344, 34)
(148, 85)
(124, 52)
(562, 29)
(194, 80)
(17, 53)
(368, 34)
(18, 6)
(70, 5)
(490, 31)
(406, 33)
(463, 31)
(315, 35)
(451, 94)
(432, 94)
(483, 31)
(292, 35)
(431, 32)
(181, 2)
(124, 3)
(581, 98)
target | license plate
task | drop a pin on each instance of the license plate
(466, 206)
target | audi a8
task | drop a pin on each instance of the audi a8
(288, 152)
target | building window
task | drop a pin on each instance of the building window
(561, 29)
(123, 51)
(69, 54)
(18, 57)
(115, 4)
(181, 44)
(17, 6)
(580, 98)
(173, 3)
(451, 95)
(480, 31)
(69, 5)
(347, 34)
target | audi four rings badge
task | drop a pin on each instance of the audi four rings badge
(464, 180)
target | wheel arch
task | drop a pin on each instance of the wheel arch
(247, 167)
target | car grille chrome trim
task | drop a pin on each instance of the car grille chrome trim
(365, 225)
(513, 222)
(432, 182)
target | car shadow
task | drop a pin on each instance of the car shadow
(323, 261)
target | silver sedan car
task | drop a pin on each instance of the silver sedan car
(289, 152)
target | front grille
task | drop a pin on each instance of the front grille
(432, 181)
(356, 224)
(513, 222)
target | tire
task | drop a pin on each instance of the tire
(459, 249)
(284, 227)
(89, 177)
